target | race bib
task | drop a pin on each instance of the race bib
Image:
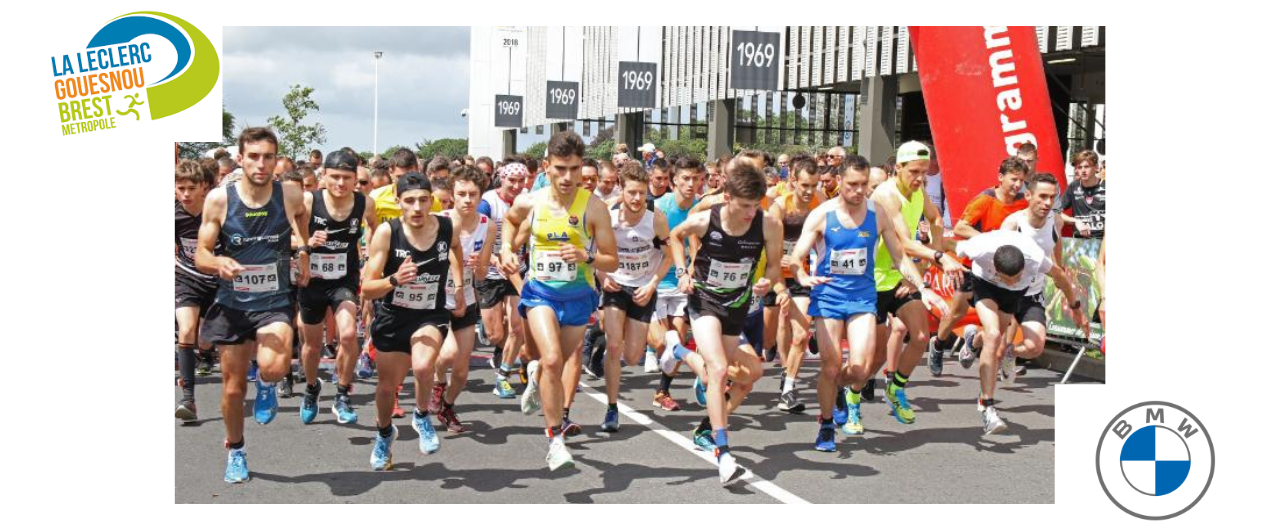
(634, 265)
(256, 279)
(329, 266)
(849, 262)
(416, 296)
(189, 247)
(787, 247)
(721, 275)
(550, 268)
(467, 282)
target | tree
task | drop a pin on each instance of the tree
(536, 151)
(366, 155)
(386, 155)
(293, 135)
(228, 127)
(450, 148)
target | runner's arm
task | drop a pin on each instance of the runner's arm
(215, 209)
(693, 228)
(455, 269)
(773, 251)
(893, 242)
(606, 244)
(516, 215)
(892, 210)
(374, 285)
(934, 217)
(294, 207)
(662, 232)
(486, 252)
(814, 227)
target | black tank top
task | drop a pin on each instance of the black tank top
(725, 265)
(257, 238)
(339, 257)
(426, 293)
(186, 232)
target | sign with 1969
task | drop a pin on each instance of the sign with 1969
(508, 111)
(637, 85)
(755, 58)
(562, 100)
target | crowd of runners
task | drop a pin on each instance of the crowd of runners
(569, 264)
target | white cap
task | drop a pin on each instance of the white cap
(647, 148)
(912, 151)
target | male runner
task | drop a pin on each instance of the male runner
(193, 290)
(793, 208)
(844, 291)
(498, 295)
(609, 189)
(256, 220)
(571, 235)
(476, 235)
(630, 292)
(669, 313)
(659, 179)
(335, 215)
(410, 259)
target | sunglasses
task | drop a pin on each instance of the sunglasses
(364, 183)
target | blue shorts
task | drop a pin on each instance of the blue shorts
(753, 331)
(842, 310)
(572, 312)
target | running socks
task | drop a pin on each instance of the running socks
(899, 380)
(237, 445)
(613, 407)
(828, 421)
(418, 413)
(504, 370)
(947, 343)
(987, 402)
(313, 387)
(664, 386)
(788, 384)
(553, 432)
(680, 352)
(386, 432)
(854, 397)
(565, 418)
(343, 390)
(721, 437)
(187, 371)
(705, 424)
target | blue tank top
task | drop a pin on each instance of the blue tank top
(258, 239)
(675, 215)
(848, 258)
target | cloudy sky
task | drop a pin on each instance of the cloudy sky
(422, 80)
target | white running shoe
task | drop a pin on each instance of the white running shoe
(650, 362)
(558, 456)
(530, 400)
(1009, 365)
(967, 355)
(991, 422)
(668, 361)
(730, 471)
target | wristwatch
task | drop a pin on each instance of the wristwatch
(591, 258)
(680, 272)
(937, 257)
(394, 281)
(1076, 305)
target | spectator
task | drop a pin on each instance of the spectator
(1085, 198)
(647, 154)
(608, 188)
(934, 189)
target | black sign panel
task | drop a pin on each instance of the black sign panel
(637, 85)
(508, 111)
(562, 100)
(755, 58)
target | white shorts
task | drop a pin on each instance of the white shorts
(671, 303)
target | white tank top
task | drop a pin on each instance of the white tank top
(1046, 237)
(638, 258)
(498, 211)
(472, 243)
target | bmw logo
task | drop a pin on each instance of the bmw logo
(1155, 460)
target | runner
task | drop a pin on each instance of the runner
(193, 290)
(731, 237)
(571, 235)
(844, 293)
(659, 179)
(669, 313)
(256, 221)
(793, 208)
(335, 215)
(497, 292)
(609, 189)
(477, 233)
(630, 292)
(411, 319)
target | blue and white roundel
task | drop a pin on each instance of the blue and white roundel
(1155, 460)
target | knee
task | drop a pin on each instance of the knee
(990, 338)
(799, 340)
(347, 335)
(918, 337)
(1035, 347)
(716, 373)
(552, 362)
(233, 391)
(387, 390)
(829, 370)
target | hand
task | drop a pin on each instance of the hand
(407, 273)
(471, 261)
(609, 285)
(904, 290)
(510, 263)
(228, 268)
(318, 239)
(304, 269)
(645, 293)
(459, 303)
(686, 283)
(783, 299)
(951, 264)
(569, 253)
(761, 287)
(813, 281)
(787, 261)
(932, 300)
(954, 279)
(1082, 227)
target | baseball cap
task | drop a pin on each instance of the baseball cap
(648, 148)
(341, 160)
(412, 181)
(912, 151)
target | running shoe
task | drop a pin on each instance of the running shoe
(991, 422)
(650, 361)
(839, 413)
(309, 408)
(264, 404)
(428, 442)
(935, 357)
(826, 439)
(610, 421)
(790, 402)
(493, 362)
(703, 440)
(594, 367)
(342, 409)
(700, 391)
(396, 411)
(381, 457)
(967, 353)
(1008, 365)
(364, 366)
(668, 361)
(330, 351)
(730, 471)
(570, 429)
(449, 419)
(253, 371)
(437, 395)
(285, 388)
(770, 355)
(237, 468)
(530, 401)
(899, 406)
(204, 365)
(558, 456)
(524, 373)
(663, 400)
(502, 388)
(186, 411)
(869, 391)
(854, 423)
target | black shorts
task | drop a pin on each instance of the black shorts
(770, 299)
(731, 319)
(622, 300)
(224, 325)
(190, 291)
(392, 331)
(889, 304)
(966, 284)
(492, 292)
(1031, 309)
(466, 320)
(796, 290)
(1006, 301)
(315, 299)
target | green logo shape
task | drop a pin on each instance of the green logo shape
(184, 91)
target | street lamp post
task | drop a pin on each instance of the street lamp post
(376, 56)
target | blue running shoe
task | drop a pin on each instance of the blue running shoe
(700, 391)
(381, 457)
(253, 371)
(854, 423)
(704, 441)
(428, 442)
(610, 421)
(342, 409)
(237, 468)
(839, 413)
(502, 388)
(364, 367)
(309, 408)
(898, 404)
(826, 439)
(264, 405)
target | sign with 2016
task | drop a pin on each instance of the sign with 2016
(637, 85)
(562, 100)
(755, 58)
(508, 111)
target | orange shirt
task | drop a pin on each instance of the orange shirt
(985, 213)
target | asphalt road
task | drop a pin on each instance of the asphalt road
(942, 458)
